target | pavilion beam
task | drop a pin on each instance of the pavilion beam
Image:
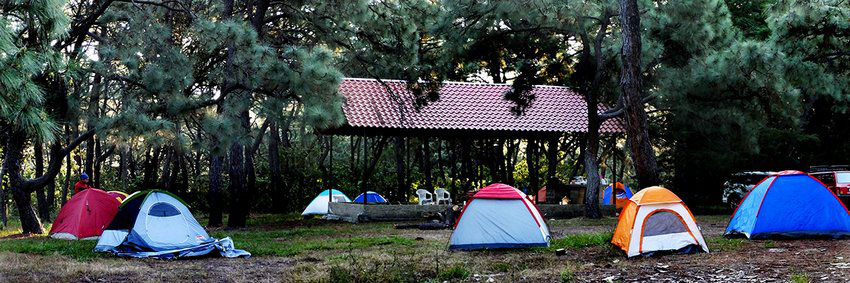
(531, 159)
(552, 157)
(400, 169)
(426, 163)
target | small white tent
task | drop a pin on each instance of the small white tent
(498, 217)
(319, 205)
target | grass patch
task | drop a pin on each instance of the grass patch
(43, 245)
(799, 277)
(501, 267)
(295, 241)
(567, 276)
(582, 240)
(721, 244)
(259, 242)
(455, 272)
(768, 244)
(582, 221)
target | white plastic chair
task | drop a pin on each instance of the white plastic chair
(425, 197)
(443, 196)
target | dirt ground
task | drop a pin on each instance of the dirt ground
(427, 258)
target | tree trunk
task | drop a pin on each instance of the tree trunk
(40, 198)
(151, 171)
(67, 185)
(3, 217)
(237, 184)
(582, 148)
(165, 180)
(98, 162)
(50, 200)
(510, 161)
(646, 166)
(591, 197)
(30, 224)
(122, 168)
(275, 184)
(214, 195)
(89, 166)
(238, 178)
(95, 173)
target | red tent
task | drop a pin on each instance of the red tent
(85, 215)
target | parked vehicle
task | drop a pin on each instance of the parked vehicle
(741, 183)
(836, 178)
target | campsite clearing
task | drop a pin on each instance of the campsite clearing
(288, 249)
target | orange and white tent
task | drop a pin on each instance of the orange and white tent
(655, 220)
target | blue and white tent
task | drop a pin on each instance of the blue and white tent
(499, 217)
(319, 205)
(370, 197)
(158, 224)
(790, 204)
(623, 192)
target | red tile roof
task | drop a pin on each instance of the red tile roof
(465, 106)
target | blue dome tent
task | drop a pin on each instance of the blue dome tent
(790, 204)
(159, 224)
(370, 197)
(623, 193)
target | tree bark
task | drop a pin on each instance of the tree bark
(95, 173)
(3, 216)
(70, 135)
(151, 164)
(122, 168)
(98, 162)
(30, 224)
(239, 163)
(237, 184)
(275, 183)
(214, 195)
(591, 197)
(41, 199)
(591, 96)
(646, 166)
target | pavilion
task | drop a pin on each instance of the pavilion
(464, 113)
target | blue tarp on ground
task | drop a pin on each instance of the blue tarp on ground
(790, 205)
(370, 197)
(158, 224)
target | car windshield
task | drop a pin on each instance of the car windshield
(842, 177)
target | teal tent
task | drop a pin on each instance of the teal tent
(319, 205)
(159, 224)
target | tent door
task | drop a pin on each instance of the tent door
(665, 230)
